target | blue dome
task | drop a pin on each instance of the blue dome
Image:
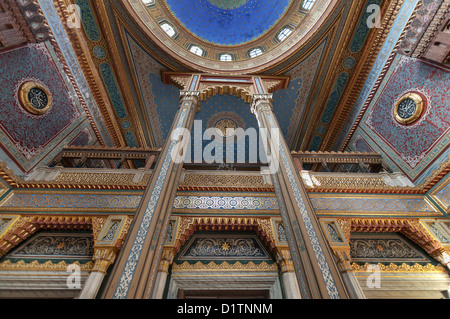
(228, 22)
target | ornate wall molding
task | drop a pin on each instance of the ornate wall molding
(416, 268)
(24, 226)
(46, 266)
(186, 226)
(225, 266)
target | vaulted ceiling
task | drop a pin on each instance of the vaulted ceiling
(332, 57)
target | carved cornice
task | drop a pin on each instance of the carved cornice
(25, 226)
(47, 266)
(411, 228)
(375, 42)
(187, 226)
(225, 266)
(91, 76)
(399, 268)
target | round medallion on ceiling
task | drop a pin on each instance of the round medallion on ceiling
(408, 108)
(226, 127)
(35, 98)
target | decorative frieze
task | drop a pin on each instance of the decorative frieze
(225, 266)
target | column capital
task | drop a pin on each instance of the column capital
(190, 99)
(166, 260)
(285, 261)
(343, 259)
(261, 102)
(104, 257)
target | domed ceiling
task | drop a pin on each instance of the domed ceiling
(228, 22)
(235, 28)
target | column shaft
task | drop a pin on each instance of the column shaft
(134, 273)
(317, 273)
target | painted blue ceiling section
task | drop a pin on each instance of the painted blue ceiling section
(222, 23)
(284, 103)
(166, 98)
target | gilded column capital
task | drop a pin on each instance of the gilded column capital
(103, 258)
(190, 99)
(285, 261)
(166, 260)
(343, 259)
(261, 103)
(442, 256)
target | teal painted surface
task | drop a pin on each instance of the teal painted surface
(363, 29)
(334, 98)
(88, 20)
(113, 90)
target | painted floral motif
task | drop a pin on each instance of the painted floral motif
(207, 247)
(388, 249)
(56, 245)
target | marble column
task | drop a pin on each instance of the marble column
(316, 270)
(135, 272)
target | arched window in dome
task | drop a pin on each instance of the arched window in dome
(255, 52)
(168, 29)
(284, 33)
(196, 50)
(148, 2)
(226, 57)
(307, 4)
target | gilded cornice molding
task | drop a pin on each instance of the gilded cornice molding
(411, 228)
(123, 180)
(377, 38)
(81, 50)
(24, 226)
(187, 226)
(225, 266)
(366, 56)
(46, 266)
(416, 268)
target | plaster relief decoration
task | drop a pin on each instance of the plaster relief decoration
(385, 248)
(37, 104)
(47, 245)
(224, 247)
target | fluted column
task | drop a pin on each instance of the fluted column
(316, 270)
(135, 271)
